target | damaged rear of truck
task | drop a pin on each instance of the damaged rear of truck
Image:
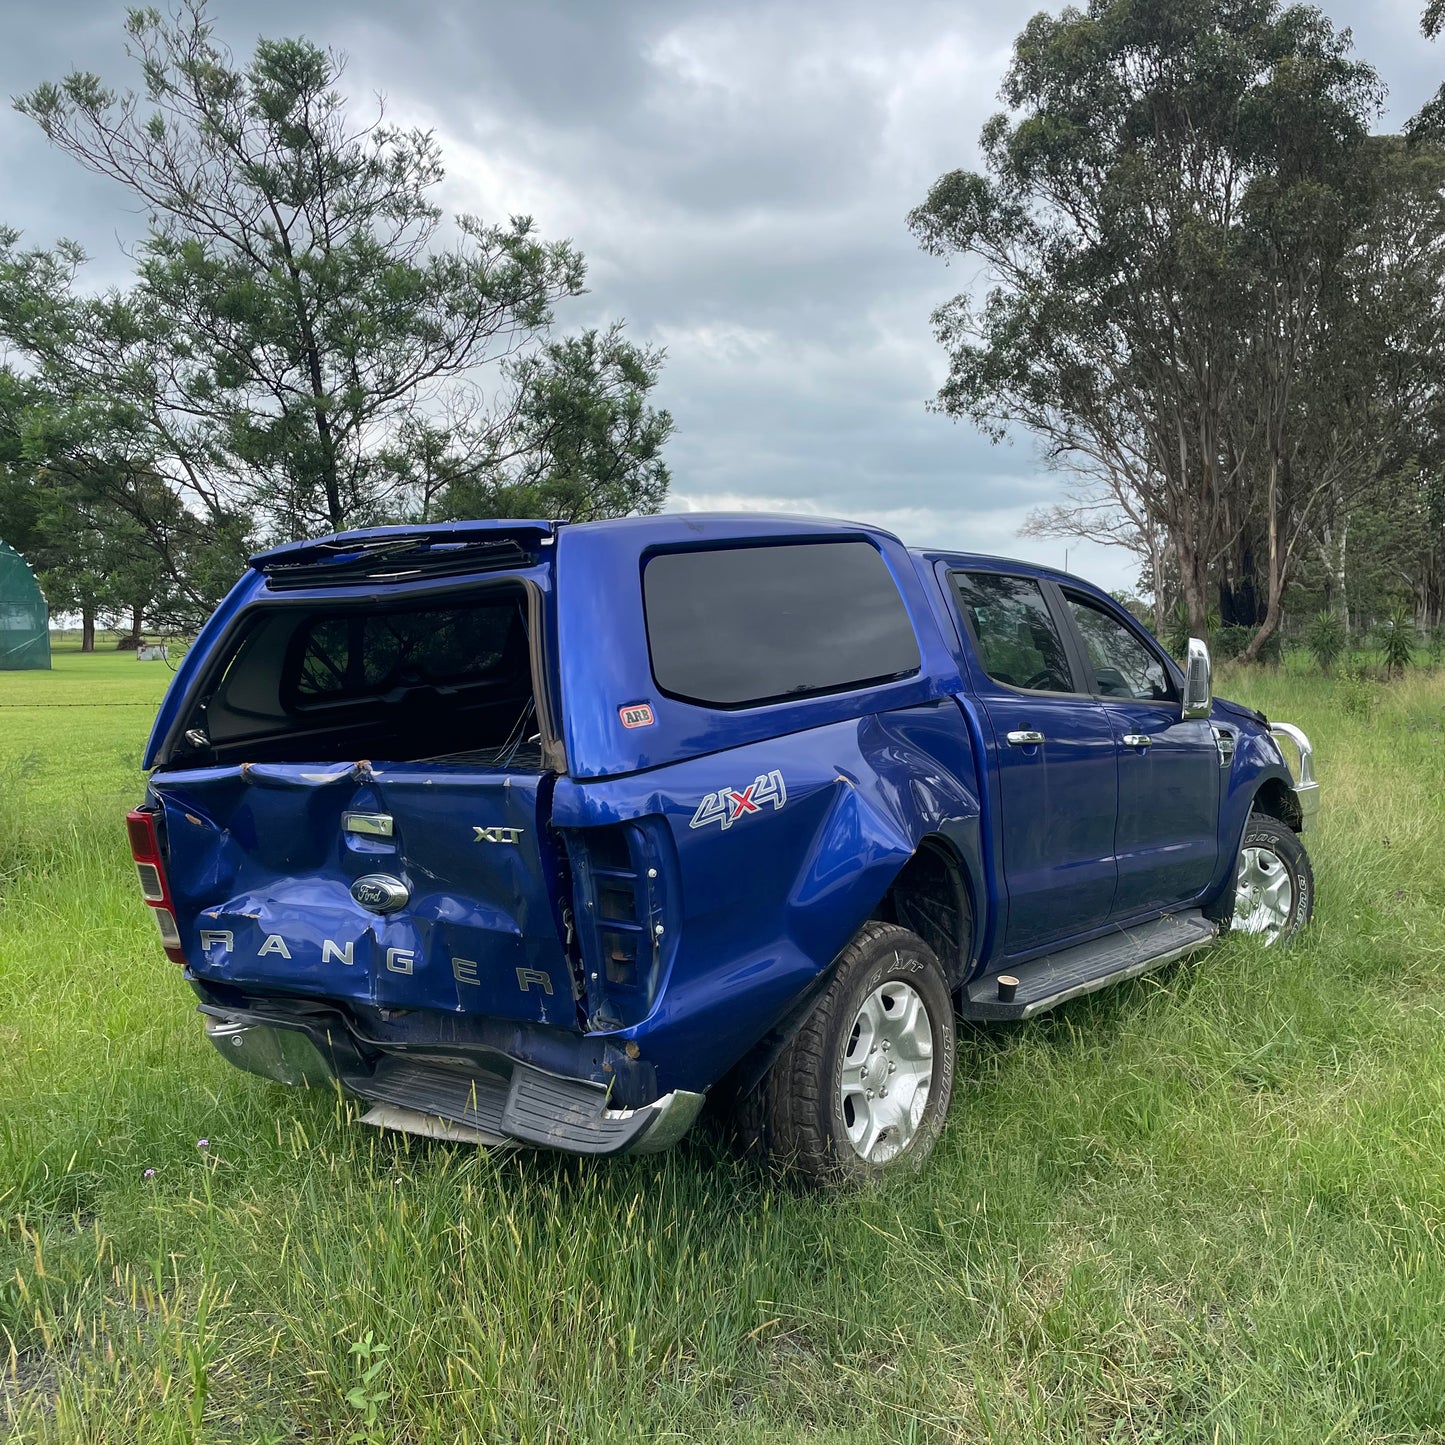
(528, 832)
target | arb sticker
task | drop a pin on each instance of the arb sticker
(727, 805)
(635, 715)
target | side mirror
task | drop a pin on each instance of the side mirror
(1198, 681)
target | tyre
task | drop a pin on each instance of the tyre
(1274, 886)
(862, 1089)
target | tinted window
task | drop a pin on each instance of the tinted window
(743, 625)
(1017, 641)
(1122, 665)
(347, 657)
(398, 680)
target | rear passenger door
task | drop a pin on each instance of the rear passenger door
(1167, 837)
(1057, 768)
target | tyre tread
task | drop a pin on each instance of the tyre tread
(782, 1118)
(1267, 829)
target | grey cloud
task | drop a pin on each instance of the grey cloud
(737, 175)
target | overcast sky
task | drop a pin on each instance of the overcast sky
(737, 175)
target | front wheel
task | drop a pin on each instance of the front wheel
(863, 1088)
(1274, 887)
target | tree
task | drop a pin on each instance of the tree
(1362, 383)
(1388, 532)
(1107, 509)
(581, 445)
(40, 518)
(1430, 122)
(1157, 221)
(92, 505)
(579, 442)
(89, 558)
(299, 320)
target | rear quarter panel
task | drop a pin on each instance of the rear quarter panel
(763, 905)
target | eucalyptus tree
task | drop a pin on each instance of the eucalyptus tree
(1383, 533)
(1157, 219)
(1430, 121)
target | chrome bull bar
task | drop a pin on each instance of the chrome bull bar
(1306, 785)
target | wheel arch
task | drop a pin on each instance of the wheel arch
(1277, 799)
(935, 858)
(1271, 795)
(935, 896)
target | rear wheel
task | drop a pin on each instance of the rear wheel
(862, 1089)
(1274, 887)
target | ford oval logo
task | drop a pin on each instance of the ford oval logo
(380, 893)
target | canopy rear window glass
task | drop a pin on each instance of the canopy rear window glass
(739, 626)
(400, 680)
(344, 657)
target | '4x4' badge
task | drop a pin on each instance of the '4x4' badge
(727, 805)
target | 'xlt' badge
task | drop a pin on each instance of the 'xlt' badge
(497, 835)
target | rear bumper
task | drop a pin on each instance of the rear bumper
(446, 1097)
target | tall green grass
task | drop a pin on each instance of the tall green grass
(1205, 1206)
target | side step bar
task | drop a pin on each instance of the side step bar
(1045, 982)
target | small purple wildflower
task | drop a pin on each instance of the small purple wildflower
(149, 1174)
(203, 1143)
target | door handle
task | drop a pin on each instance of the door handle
(1137, 740)
(1025, 738)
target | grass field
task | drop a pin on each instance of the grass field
(1205, 1206)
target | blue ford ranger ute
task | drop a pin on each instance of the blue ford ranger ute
(541, 833)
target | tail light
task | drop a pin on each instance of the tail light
(619, 890)
(145, 848)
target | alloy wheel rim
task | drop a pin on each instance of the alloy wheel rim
(887, 1072)
(1264, 893)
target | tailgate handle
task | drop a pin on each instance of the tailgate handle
(373, 825)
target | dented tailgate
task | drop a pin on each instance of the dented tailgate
(407, 886)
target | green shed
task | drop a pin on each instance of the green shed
(24, 617)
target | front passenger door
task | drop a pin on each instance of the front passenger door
(1167, 837)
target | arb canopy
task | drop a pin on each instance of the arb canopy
(24, 617)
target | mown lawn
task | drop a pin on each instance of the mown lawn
(1205, 1206)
